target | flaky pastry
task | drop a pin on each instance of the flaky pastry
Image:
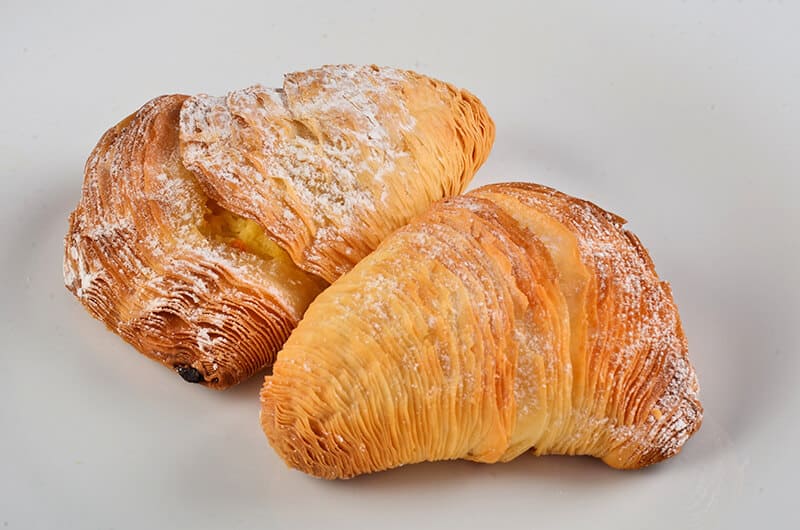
(207, 225)
(509, 319)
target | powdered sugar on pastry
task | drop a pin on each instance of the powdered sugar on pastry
(174, 260)
(137, 258)
(508, 319)
(332, 162)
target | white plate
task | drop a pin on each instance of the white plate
(683, 118)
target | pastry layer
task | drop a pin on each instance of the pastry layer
(509, 319)
(207, 225)
(150, 255)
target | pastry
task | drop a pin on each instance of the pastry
(208, 224)
(514, 318)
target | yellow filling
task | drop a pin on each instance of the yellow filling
(247, 235)
(241, 233)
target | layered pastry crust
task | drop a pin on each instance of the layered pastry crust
(207, 225)
(514, 318)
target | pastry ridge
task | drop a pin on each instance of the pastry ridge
(337, 148)
(509, 319)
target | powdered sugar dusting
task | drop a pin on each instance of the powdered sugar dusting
(137, 257)
(321, 146)
(641, 391)
(460, 319)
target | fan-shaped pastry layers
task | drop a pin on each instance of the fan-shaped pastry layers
(138, 258)
(205, 223)
(513, 318)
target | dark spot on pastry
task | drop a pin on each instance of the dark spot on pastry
(190, 374)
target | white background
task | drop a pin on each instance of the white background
(681, 116)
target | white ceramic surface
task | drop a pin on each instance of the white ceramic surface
(684, 117)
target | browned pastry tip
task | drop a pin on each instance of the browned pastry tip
(207, 225)
(514, 318)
